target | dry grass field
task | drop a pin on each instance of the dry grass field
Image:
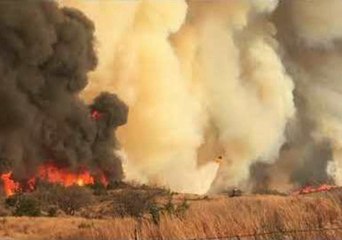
(312, 216)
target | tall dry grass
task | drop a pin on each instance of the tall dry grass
(214, 218)
(243, 216)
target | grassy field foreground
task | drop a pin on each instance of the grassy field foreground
(313, 216)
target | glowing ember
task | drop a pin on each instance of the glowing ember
(311, 189)
(52, 174)
(96, 115)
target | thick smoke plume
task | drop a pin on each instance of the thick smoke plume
(310, 33)
(46, 53)
(224, 93)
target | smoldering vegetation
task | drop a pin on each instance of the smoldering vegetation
(46, 53)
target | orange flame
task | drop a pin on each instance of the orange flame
(311, 189)
(52, 174)
(10, 186)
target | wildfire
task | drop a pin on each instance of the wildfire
(52, 174)
(311, 189)
(10, 186)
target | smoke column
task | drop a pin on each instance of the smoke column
(310, 33)
(247, 93)
(202, 80)
(224, 93)
(46, 53)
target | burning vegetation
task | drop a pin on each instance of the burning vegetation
(47, 132)
(313, 189)
(202, 79)
(51, 174)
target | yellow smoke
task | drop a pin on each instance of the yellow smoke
(202, 79)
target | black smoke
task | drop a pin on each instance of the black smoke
(46, 53)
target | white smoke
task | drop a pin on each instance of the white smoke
(205, 79)
(164, 127)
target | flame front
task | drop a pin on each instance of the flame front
(311, 189)
(10, 186)
(52, 174)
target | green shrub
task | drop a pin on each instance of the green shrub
(52, 211)
(182, 208)
(27, 206)
(170, 207)
(134, 203)
(11, 201)
(69, 199)
(48, 193)
(155, 213)
(98, 188)
(72, 199)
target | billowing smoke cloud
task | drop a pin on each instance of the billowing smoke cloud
(247, 93)
(203, 81)
(164, 128)
(45, 56)
(224, 93)
(310, 33)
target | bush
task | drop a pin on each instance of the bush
(48, 193)
(134, 203)
(170, 207)
(72, 199)
(155, 213)
(99, 189)
(113, 185)
(52, 212)
(12, 200)
(69, 199)
(182, 208)
(27, 206)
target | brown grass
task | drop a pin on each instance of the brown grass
(215, 217)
